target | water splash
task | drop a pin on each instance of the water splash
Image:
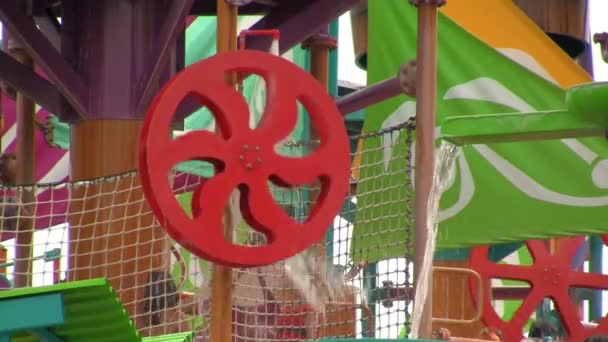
(443, 176)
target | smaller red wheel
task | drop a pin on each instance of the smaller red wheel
(550, 276)
(245, 158)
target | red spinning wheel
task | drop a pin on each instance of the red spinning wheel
(550, 276)
(245, 158)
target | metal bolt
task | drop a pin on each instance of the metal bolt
(242, 157)
(259, 160)
(245, 147)
(249, 166)
(257, 148)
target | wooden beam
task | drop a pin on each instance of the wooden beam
(67, 81)
(169, 32)
(28, 82)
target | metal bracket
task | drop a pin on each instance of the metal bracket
(437, 3)
(602, 39)
(407, 77)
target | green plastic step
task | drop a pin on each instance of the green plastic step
(514, 127)
(179, 337)
(373, 340)
(585, 115)
(92, 312)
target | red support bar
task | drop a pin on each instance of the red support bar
(56, 271)
(243, 36)
(274, 33)
(3, 256)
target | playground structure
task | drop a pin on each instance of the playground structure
(155, 224)
(53, 256)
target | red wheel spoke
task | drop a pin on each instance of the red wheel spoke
(296, 171)
(539, 250)
(222, 99)
(209, 203)
(180, 150)
(569, 246)
(228, 107)
(281, 114)
(512, 272)
(523, 313)
(602, 327)
(569, 316)
(264, 212)
(279, 118)
(589, 280)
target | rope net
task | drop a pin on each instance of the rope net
(53, 233)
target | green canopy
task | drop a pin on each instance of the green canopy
(502, 192)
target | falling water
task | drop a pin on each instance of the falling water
(445, 157)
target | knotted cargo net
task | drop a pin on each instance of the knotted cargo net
(341, 287)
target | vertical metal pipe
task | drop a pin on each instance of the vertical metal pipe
(426, 80)
(333, 91)
(319, 46)
(370, 286)
(221, 287)
(319, 69)
(596, 251)
(319, 62)
(26, 157)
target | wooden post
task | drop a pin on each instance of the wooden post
(426, 91)
(112, 232)
(319, 46)
(221, 283)
(26, 175)
(337, 314)
(359, 20)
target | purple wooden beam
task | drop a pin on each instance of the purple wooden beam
(130, 33)
(45, 19)
(67, 81)
(347, 104)
(169, 32)
(30, 83)
(368, 96)
(185, 108)
(297, 20)
(208, 7)
(49, 29)
(510, 293)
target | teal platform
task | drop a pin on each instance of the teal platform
(82, 311)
